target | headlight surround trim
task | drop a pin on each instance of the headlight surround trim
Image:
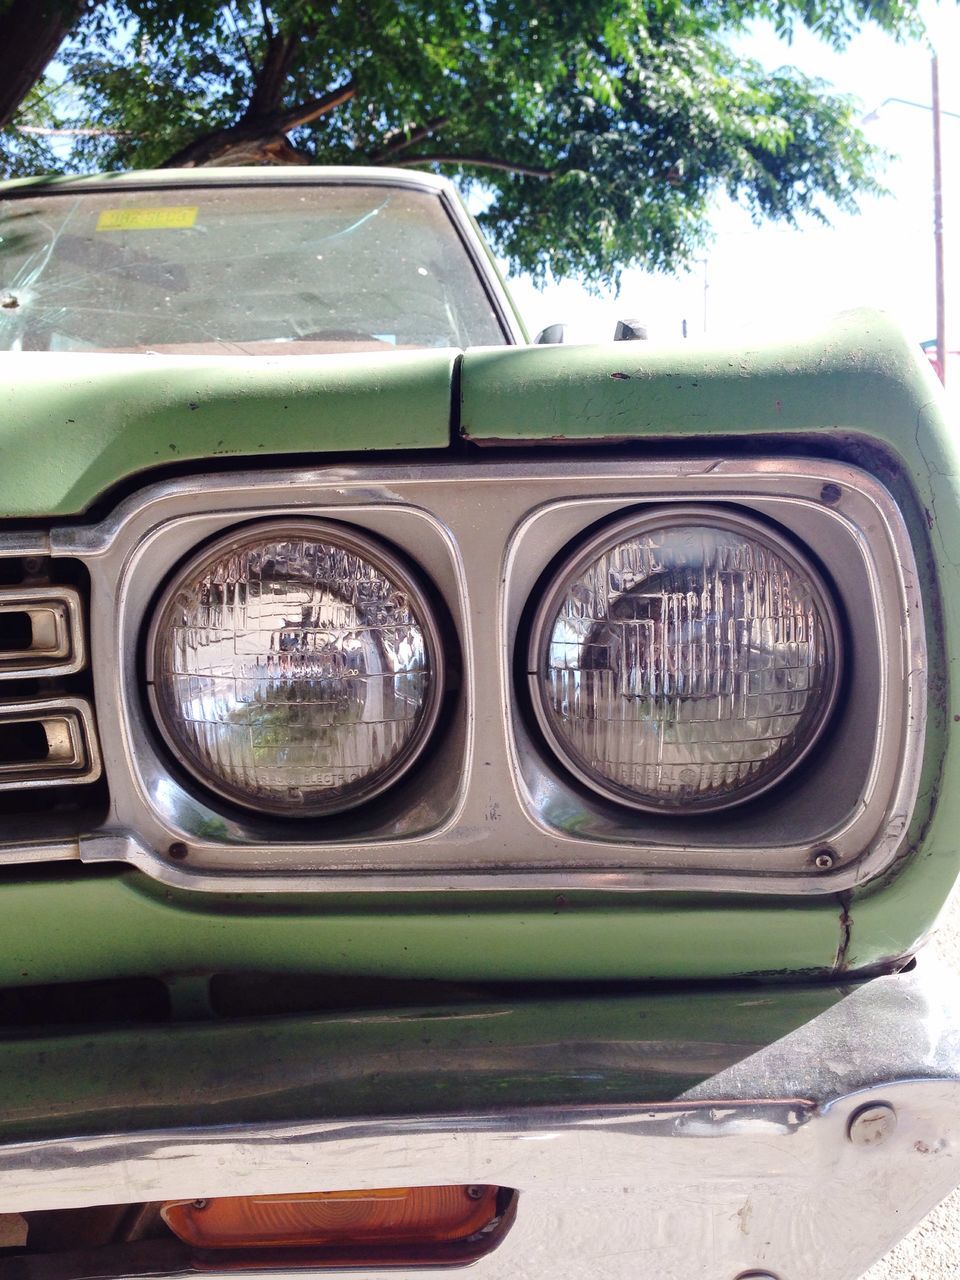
(586, 550)
(367, 548)
(444, 520)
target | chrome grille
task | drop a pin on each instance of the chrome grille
(48, 736)
(47, 741)
(41, 632)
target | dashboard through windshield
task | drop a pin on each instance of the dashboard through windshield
(251, 269)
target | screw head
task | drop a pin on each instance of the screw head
(824, 860)
(872, 1124)
(831, 493)
(178, 850)
(475, 1193)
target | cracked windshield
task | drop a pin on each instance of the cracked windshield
(206, 270)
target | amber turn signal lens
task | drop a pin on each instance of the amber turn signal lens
(331, 1219)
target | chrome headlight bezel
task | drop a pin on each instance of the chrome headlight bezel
(385, 562)
(585, 551)
(490, 806)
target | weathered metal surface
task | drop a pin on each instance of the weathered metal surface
(571, 1051)
(72, 426)
(81, 924)
(860, 375)
(739, 1175)
(856, 390)
(859, 391)
(492, 811)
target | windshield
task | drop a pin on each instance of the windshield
(254, 269)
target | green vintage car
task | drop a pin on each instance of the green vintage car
(463, 802)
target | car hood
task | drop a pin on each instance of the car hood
(857, 374)
(75, 425)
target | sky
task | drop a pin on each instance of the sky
(750, 278)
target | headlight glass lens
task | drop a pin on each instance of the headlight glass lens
(295, 669)
(684, 660)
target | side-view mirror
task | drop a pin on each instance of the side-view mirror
(552, 334)
(630, 331)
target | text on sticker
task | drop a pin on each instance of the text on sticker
(168, 217)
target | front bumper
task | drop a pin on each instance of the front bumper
(767, 1164)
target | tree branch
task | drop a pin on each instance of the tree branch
(306, 112)
(400, 140)
(85, 132)
(479, 162)
(248, 52)
(270, 82)
(258, 135)
(30, 32)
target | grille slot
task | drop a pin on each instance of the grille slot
(52, 783)
(41, 632)
(47, 742)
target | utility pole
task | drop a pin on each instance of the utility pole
(938, 113)
(938, 222)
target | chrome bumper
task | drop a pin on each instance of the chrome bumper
(806, 1160)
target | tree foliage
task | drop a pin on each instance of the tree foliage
(30, 31)
(600, 129)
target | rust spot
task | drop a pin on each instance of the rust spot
(846, 924)
(926, 512)
(744, 1214)
(523, 442)
(620, 377)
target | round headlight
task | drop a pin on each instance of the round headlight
(295, 668)
(684, 660)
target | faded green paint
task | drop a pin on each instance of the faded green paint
(858, 390)
(859, 375)
(450, 1058)
(86, 923)
(74, 425)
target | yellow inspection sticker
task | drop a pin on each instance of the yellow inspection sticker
(165, 217)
